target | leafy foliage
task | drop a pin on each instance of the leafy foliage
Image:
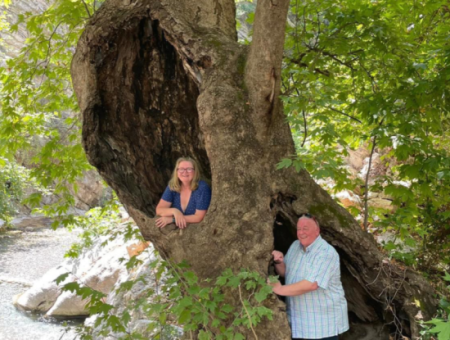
(374, 74)
(440, 325)
(38, 107)
(357, 73)
(101, 222)
(15, 180)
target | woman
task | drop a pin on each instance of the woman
(186, 198)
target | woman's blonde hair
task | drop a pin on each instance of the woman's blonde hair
(175, 183)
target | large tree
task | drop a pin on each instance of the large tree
(159, 79)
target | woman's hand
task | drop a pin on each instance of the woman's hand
(180, 221)
(163, 221)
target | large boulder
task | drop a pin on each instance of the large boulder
(43, 294)
(90, 191)
(98, 267)
(145, 280)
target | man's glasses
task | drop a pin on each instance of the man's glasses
(309, 216)
(181, 170)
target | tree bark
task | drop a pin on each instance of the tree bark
(160, 79)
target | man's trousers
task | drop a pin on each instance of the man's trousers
(330, 338)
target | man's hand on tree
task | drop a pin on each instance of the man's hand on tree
(275, 286)
(278, 257)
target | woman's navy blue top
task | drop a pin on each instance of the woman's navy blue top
(200, 198)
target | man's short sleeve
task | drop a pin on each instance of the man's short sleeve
(204, 198)
(323, 268)
(168, 195)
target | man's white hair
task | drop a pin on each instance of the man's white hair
(310, 218)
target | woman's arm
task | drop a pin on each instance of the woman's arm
(164, 208)
(197, 217)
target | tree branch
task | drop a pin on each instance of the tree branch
(305, 135)
(263, 68)
(372, 79)
(246, 311)
(87, 8)
(343, 113)
(298, 62)
(333, 56)
(366, 193)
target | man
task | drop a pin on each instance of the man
(316, 304)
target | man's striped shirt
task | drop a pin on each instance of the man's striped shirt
(323, 312)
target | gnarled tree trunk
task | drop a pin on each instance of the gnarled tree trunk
(160, 79)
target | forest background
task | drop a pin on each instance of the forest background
(357, 75)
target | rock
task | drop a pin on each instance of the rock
(98, 268)
(90, 191)
(137, 248)
(139, 322)
(380, 203)
(14, 232)
(15, 41)
(124, 214)
(31, 222)
(355, 159)
(363, 172)
(68, 304)
(406, 184)
(43, 294)
(391, 237)
(349, 199)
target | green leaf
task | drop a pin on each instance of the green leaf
(447, 276)
(62, 278)
(285, 163)
(184, 317)
(234, 282)
(226, 308)
(238, 336)
(204, 335)
(262, 294)
(191, 277)
(442, 328)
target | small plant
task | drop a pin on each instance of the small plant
(440, 325)
(15, 180)
(174, 297)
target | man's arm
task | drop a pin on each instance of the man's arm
(280, 268)
(294, 289)
(278, 260)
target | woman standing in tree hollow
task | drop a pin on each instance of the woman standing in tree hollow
(186, 198)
